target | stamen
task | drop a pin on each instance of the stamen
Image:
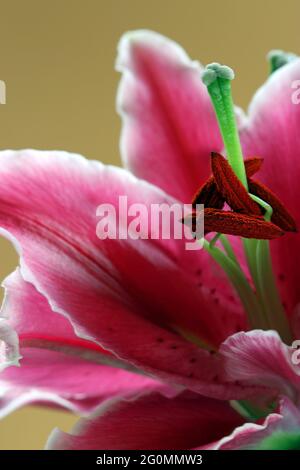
(218, 78)
(270, 298)
(268, 209)
(240, 284)
(231, 188)
(214, 240)
(240, 225)
(278, 59)
(208, 194)
(228, 248)
(253, 165)
(281, 215)
(251, 411)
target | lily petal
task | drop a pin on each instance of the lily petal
(56, 365)
(117, 293)
(260, 357)
(9, 346)
(169, 126)
(151, 422)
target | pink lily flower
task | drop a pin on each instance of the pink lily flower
(97, 319)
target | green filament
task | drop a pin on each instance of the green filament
(251, 411)
(239, 282)
(266, 283)
(228, 248)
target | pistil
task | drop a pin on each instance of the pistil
(218, 78)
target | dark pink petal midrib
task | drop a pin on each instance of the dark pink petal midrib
(78, 349)
(26, 338)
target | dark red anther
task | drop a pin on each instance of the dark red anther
(208, 193)
(230, 187)
(253, 165)
(231, 223)
(281, 215)
(242, 225)
(246, 218)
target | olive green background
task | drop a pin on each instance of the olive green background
(57, 59)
